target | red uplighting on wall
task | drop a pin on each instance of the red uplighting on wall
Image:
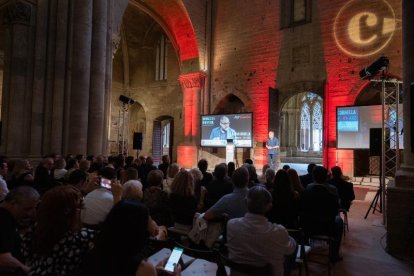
(178, 21)
(187, 156)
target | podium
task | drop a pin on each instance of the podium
(230, 151)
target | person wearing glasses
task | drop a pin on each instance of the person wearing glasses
(224, 131)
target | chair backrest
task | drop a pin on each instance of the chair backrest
(246, 269)
(299, 237)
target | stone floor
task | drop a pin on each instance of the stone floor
(363, 248)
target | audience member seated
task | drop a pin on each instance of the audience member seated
(286, 167)
(79, 179)
(85, 165)
(21, 175)
(130, 175)
(345, 188)
(203, 166)
(319, 207)
(172, 171)
(232, 205)
(307, 178)
(71, 165)
(248, 161)
(156, 199)
(132, 191)
(220, 185)
(269, 177)
(4, 190)
(182, 201)
(57, 245)
(43, 179)
(17, 210)
(253, 181)
(231, 167)
(59, 172)
(199, 191)
(285, 205)
(164, 165)
(119, 248)
(147, 166)
(295, 181)
(99, 202)
(262, 177)
(254, 240)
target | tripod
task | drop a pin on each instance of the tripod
(378, 195)
(374, 203)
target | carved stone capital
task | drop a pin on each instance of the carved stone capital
(192, 80)
(17, 13)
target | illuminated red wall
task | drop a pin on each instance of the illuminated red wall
(176, 17)
(343, 82)
(246, 46)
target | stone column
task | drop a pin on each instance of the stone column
(18, 72)
(96, 128)
(80, 83)
(400, 194)
(59, 76)
(191, 84)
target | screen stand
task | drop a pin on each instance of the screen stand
(229, 151)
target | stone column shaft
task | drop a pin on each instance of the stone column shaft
(96, 133)
(60, 69)
(17, 72)
(80, 82)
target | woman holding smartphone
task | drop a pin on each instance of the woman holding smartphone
(119, 249)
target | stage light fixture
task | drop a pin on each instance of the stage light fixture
(126, 100)
(379, 65)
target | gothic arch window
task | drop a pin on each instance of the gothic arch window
(161, 55)
(305, 127)
(311, 122)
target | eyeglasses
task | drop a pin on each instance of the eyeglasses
(225, 123)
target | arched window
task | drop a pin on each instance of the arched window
(311, 122)
(161, 55)
(304, 127)
(317, 126)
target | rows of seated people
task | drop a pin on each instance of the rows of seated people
(95, 215)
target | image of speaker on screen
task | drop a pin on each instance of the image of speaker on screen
(223, 131)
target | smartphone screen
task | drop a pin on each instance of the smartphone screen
(173, 259)
(106, 183)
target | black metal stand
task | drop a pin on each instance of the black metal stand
(374, 203)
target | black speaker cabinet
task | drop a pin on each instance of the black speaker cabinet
(375, 140)
(137, 141)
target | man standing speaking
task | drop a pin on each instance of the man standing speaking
(272, 146)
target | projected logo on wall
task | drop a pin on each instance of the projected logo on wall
(364, 28)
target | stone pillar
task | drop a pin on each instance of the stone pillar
(80, 83)
(59, 76)
(400, 194)
(17, 81)
(191, 84)
(96, 128)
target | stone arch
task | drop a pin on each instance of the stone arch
(230, 104)
(173, 18)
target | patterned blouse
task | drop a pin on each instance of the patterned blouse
(65, 258)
